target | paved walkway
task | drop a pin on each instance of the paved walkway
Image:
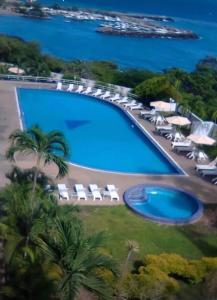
(9, 121)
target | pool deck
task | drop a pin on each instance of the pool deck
(9, 121)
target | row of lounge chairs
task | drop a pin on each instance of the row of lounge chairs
(208, 170)
(104, 95)
(79, 192)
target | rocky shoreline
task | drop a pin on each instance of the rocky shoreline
(151, 34)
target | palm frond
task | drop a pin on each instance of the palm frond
(59, 162)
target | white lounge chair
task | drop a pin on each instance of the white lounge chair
(210, 166)
(122, 101)
(106, 95)
(212, 172)
(137, 107)
(111, 192)
(147, 113)
(95, 191)
(88, 90)
(59, 86)
(185, 143)
(97, 93)
(164, 128)
(115, 98)
(80, 192)
(79, 89)
(63, 191)
(132, 103)
(70, 88)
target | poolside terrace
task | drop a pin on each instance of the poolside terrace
(191, 182)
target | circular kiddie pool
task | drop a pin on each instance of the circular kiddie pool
(164, 204)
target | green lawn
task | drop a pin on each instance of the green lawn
(120, 225)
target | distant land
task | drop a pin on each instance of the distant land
(124, 24)
(113, 23)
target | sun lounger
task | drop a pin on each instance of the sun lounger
(132, 103)
(95, 192)
(80, 89)
(137, 107)
(185, 143)
(115, 98)
(80, 192)
(122, 101)
(63, 192)
(106, 95)
(59, 86)
(111, 192)
(147, 113)
(184, 148)
(97, 93)
(164, 129)
(210, 166)
(209, 172)
(70, 88)
(88, 90)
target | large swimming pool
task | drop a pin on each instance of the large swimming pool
(100, 135)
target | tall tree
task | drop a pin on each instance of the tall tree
(132, 247)
(79, 257)
(21, 221)
(47, 148)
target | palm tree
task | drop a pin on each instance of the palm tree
(46, 147)
(79, 257)
(21, 222)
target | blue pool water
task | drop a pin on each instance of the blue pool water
(99, 134)
(163, 204)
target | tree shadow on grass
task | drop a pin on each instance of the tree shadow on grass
(203, 234)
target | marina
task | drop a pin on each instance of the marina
(116, 23)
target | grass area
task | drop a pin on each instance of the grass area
(120, 225)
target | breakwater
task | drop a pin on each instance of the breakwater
(125, 24)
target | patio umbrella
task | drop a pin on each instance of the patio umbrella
(201, 139)
(162, 105)
(16, 70)
(178, 121)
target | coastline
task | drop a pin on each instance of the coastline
(8, 12)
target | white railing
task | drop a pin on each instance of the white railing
(110, 87)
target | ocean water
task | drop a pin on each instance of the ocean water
(99, 134)
(78, 40)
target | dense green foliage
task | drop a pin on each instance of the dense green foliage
(25, 55)
(160, 276)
